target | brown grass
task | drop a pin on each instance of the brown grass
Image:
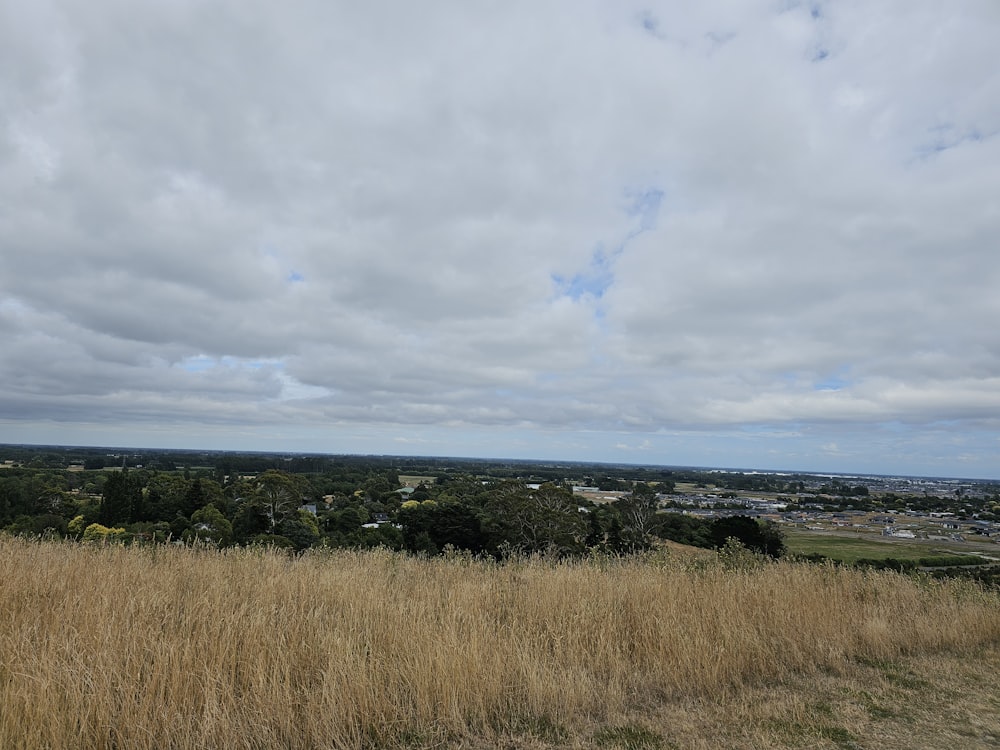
(156, 648)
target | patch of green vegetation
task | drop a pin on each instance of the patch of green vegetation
(628, 737)
(838, 735)
(882, 665)
(542, 727)
(896, 674)
(850, 549)
(822, 708)
(880, 712)
(943, 561)
(795, 730)
(875, 709)
(907, 681)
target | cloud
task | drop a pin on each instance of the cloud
(636, 219)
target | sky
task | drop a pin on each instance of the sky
(735, 233)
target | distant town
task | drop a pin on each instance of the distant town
(429, 504)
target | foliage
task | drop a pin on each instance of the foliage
(542, 520)
(102, 534)
(429, 527)
(684, 529)
(639, 516)
(301, 528)
(122, 500)
(211, 526)
(758, 536)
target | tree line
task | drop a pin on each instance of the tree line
(361, 506)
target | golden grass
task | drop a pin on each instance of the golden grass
(120, 647)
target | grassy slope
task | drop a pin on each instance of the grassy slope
(849, 547)
(157, 648)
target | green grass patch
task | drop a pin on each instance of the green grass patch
(851, 549)
(872, 551)
(628, 737)
(896, 674)
(542, 727)
(797, 731)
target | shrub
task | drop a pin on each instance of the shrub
(103, 534)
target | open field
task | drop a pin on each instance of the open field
(412, 480)
(115, 647)
(851, 546)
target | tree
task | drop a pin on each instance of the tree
(639, 515)
(300, 528)
(536, 520)
(280, 494)
(381, 487)
(684, 529)
(122, 499)
(194, 499)
(430, 527)
(76, 526)
(605, 530)
(250, 521)
(763, 537)
(166, 495)
(210, 525)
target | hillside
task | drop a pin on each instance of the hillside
(128, 647)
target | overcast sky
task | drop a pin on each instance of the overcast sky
(742, 233)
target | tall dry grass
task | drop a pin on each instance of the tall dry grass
(163, 647)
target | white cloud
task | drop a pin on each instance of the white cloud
(433, 224)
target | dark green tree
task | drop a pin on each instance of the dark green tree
(250, 521)
(542, 520)
(759, 536)
(300, 528)
(121, 500)
(684, 529)
(430, 527)
(209, 524)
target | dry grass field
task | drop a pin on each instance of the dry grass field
(115, 647)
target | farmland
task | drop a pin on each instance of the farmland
(851, 547)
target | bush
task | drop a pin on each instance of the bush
(103, 534)
(888, 563)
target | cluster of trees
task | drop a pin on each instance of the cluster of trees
(353, 508)
(343, 474)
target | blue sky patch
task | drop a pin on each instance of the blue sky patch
(200, 363)
(595, 281)
(599, 275)
(835, 382)
(647, 207)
